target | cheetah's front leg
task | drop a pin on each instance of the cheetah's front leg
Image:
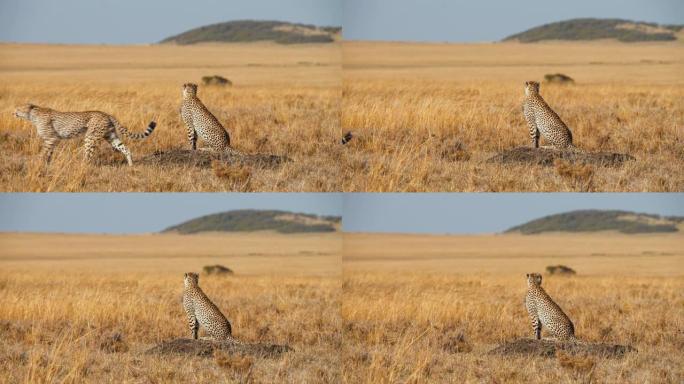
(48, 148)
(194, 325)
(192, 133)
(534, 134)
(534, 319)
(537, 329)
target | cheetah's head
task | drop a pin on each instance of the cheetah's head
(191, 279)
(189, 89)
(24, 111)
(534, 279)
(531, 88)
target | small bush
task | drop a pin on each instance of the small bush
(558, 78)
(217, 270)
(560, 270)
(216, 80)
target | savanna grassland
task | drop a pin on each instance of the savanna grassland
(424, 309)
(285, 101)
(429, 116)
(85, 308)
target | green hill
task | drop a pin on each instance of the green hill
(597, 220)
(594, 29)
(249, 220)
(241, 31)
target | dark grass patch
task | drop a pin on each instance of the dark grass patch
(547, 157)
(549, 348)
(206, 348)
(204, 158)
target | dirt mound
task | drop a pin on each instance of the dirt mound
(206, 348)
(548, 348)
(560, 270)
(216, 80)
(558, 78)
(547, 156)
(217, 269)
(203, 159)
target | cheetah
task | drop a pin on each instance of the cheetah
(541, 119)
(199, 120)
(544, 311)
(201, 311)
(53, 126)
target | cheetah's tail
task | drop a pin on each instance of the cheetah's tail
(576, 149)
(233, 340)
(233, 151)
(138, 136)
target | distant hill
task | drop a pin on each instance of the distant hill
(593, 29)
(250, 220)
(598, 220)
(241, 31)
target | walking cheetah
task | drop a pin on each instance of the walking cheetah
(199, 120)
(53, 126)
(542, 119)
(201, 311)
(544, 311)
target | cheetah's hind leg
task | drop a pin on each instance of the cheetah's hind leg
(119, 146)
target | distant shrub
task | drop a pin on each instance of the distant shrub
(558, 78)
(560, 270)
(216, 270)
(216, 80)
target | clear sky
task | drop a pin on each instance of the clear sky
(142, 212)
(148, 21)
(486, 212)
(487, 20)
(144, 21)
(362, 212)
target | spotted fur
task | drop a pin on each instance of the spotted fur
(201, 311)
(53, 126)
(199, 121)
(542, 120)
(544, 311)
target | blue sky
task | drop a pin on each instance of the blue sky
(487, 20)
(144, 21)
(485, 212)
(363, 212)
(148, 21)
(142, 212)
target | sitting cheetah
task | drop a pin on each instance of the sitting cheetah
(200, 121)
(544, 311)
(53, 126)
(542, 119)
(201, 311)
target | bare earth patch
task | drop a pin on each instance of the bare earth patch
(203, 159)
(547, 157)
(549, 348)
(206, 348)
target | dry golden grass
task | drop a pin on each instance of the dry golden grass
(422, 309)
(80, 308)
(285, 101)
(413, 105)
